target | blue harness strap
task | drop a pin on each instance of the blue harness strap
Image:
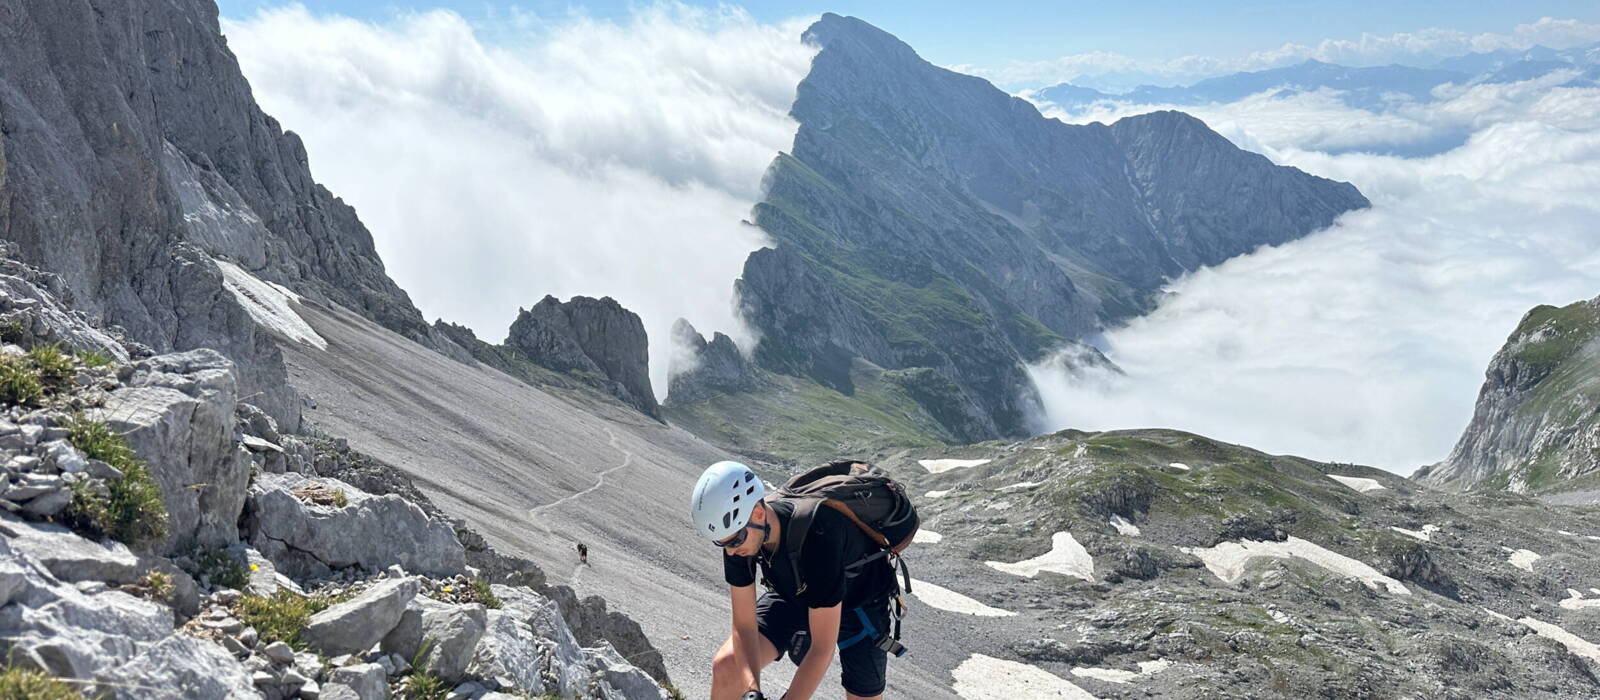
(867, 630)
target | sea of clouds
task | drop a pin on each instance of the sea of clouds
(1366, 342)
(1107, 70)
(565, 157)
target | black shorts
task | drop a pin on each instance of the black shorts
(862, 661)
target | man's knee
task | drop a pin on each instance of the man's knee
(725, 663)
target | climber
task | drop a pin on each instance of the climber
(817, 608)
(583, 554)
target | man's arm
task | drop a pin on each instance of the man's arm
(824, 638)
(746, 637)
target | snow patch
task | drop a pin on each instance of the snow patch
(946, 599)
(1359, 483)
(1574, 534)
(1180, 466)
(1021, 486)
(1112, 675)
(1002, 505)
(1522, 558)
(1426, 534)
(987, 678)
(1065, 557)
(1229, 559)
(940, 466)
(927, 537)
(268, 304)
(1576, 601)
(1575, 644)
(937, 494)
(1492, 613)
(1124, 526)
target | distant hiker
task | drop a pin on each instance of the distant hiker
(583, 553)
(829, 571)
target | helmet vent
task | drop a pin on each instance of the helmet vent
(736, 498)
(727, 520)
(736, 513)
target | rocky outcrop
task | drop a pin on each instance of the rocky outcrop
(595, 339)
(178, 411)
(938, 222)
(1536, 425)
(310, 527)
(711, 368)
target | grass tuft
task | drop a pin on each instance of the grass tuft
(95, 358)
(27, 684)
(56, 370)
(19, 382)
(219, 567)
(483, 594)
(132, 511)
(282, 616)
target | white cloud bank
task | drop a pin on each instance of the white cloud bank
(1109, 70)
(578, 157)
(1367, 342)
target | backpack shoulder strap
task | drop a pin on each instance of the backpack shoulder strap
(805, 511)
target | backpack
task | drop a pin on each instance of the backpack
(865, 495)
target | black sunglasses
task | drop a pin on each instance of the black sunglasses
(739, 537)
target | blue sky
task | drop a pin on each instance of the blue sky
(961, 32)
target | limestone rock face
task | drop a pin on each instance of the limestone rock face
(939, 222)
(52, 625)
(1536, 426)
(305, 538)
(134, 155)
(177, 412)
(713, 367)
(593, 338)
(197, 668)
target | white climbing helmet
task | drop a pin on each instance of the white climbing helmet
(723, 498)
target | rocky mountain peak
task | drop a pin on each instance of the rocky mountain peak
(927, 219)
(596, 339)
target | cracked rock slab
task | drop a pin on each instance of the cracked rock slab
(355, 625)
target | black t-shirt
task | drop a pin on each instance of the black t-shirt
(834, 542)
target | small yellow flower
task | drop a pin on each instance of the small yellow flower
(255, 567)
(448, 589)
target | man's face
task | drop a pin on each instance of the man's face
(753, 537)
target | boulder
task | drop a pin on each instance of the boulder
(69, 556)
(444, 635)
(309, 539)
(179, 666)
(356, 624)
(69, 634)
(177, 413)
(622, 679)
(365, 681)
(510, 649)
(592, 623)
(560, 654)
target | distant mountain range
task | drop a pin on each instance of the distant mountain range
(1372, 88)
